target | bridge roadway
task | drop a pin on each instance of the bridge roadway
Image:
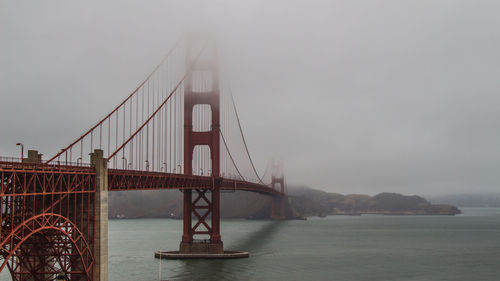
(41, 179)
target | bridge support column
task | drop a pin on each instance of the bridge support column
(278, 208)
(279, 201)
(205, 206)
(100, 268)
(201, 206)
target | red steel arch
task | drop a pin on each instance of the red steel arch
(44, 222)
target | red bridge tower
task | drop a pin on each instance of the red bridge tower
(278, 183)
(202, 204)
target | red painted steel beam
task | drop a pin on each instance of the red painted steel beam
(76, 179)
(121, 180)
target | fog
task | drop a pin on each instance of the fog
(354, 96)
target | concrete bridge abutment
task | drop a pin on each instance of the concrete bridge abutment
(100, 269)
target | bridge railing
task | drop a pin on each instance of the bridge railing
(7, 162)
(10, 159)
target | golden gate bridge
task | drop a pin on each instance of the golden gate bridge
(179, 129)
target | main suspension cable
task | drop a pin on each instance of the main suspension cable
(120, 105)
(243, 137)
(157, 110)
(231, 156)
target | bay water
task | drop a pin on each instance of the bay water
(360, 248)
(464, 247)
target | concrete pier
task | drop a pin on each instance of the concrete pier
(176, 255)
(100, 271)
(201, 248)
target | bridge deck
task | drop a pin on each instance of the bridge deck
(43, 178)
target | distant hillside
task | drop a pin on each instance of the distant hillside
(469, 200)
(303, 201)
(311, 202)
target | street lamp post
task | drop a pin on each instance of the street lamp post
(124, 162)
(22, 150)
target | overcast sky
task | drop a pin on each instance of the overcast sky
(354, 96)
